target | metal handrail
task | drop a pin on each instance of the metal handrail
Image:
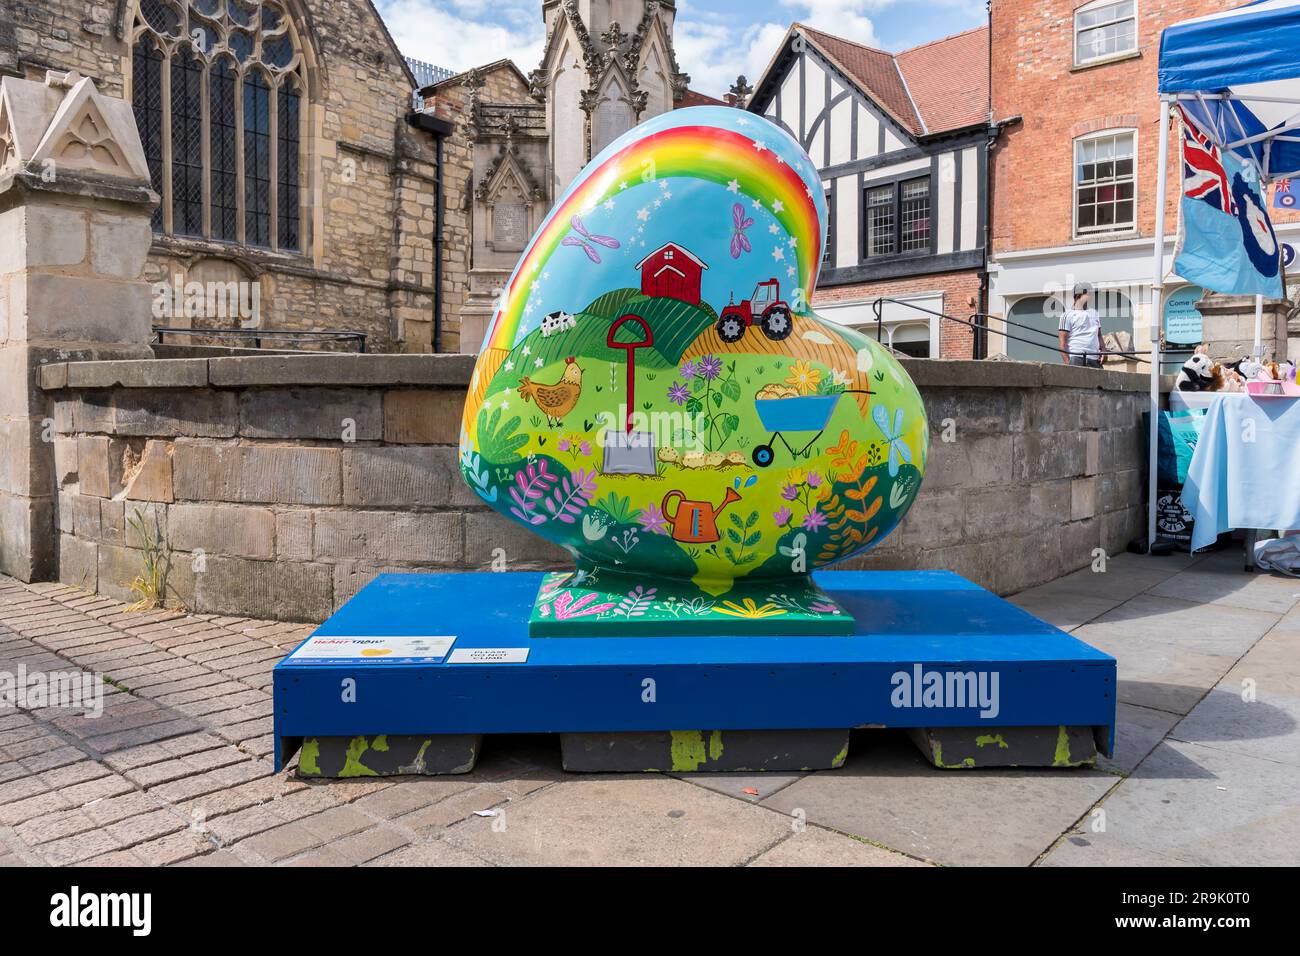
(877, 307)
(258, 334)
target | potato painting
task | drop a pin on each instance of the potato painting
(656, 395)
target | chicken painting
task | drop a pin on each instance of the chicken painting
(555, 400)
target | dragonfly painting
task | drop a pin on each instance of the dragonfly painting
(740, 222)
(584, 240)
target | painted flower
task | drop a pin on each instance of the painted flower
(564, 444)
(804, 377)
(789, 492)
(813, 521)
(750, 609)
(585, 448)
(652, 519)
(814, 479)
(823, 607)
(840, 378)
(690, 370)
(782, 516)
(796, 476)
(710, 367)
(678, 393)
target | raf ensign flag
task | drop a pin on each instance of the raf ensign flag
(1227, 243)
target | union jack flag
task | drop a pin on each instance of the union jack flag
(1203, 175)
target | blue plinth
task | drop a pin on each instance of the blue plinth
(924, 641)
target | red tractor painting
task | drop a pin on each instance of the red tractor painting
(765, 307)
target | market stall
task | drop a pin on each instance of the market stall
(1233, 79)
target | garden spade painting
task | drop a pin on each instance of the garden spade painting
(656, 395)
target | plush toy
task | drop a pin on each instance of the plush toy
(1199, 373)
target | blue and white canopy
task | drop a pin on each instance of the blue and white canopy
(1237, 74)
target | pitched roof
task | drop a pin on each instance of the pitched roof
(932, 88)
(949, 79)
(874, 69)
(672, 245)
(696, 98)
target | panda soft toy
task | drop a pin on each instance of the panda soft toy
(1199, 373)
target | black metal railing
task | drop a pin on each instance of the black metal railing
(256, 336)
(978, 322)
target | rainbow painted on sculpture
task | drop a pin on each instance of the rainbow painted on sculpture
(698, 152)
(657, 397)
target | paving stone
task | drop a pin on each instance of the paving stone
(1061, 608)
(147, 826)
(661, 821)
(79, 848)
(435, 853)
(355, 850)
(29, 809)
(219, 858)
(735, 784)
(173, 848)
(1208, 628)
(433, 819)
(1159, 675)
(888, 794)
(1204, 806)
(817, 847)
(1267, 725)
(1137, 731)
(284, 841)
(1235, 588)
(202, 784)
(1086, 849)
(410, 795)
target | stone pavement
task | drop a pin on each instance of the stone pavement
(177, 768)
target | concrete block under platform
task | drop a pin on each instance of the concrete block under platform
(691, 751)
(963, 748)
(389, 755)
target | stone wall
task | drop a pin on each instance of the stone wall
(368, 184)
(280, 485)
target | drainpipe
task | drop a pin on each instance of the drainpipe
(440, 130)
(995, 133)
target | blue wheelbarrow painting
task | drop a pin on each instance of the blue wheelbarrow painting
(803, 413)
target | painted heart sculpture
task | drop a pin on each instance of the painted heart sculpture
(656, 395)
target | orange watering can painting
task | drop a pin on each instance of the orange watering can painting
(697, 470)
(695, 522)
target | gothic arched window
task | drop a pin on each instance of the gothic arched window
(217, 89)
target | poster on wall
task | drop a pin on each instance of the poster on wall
(1183, 323)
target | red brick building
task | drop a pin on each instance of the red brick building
(901, 144)
(1073, 174)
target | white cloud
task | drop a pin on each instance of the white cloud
(841, 18)
(711, 46)
(457, 34)
(714, 55)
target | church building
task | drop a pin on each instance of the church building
(281, 139)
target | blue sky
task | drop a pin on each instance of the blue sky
(715, 39)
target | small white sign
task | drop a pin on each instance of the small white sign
(379, 649)
(488, 655)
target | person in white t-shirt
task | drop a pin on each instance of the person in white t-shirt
(1080, 333)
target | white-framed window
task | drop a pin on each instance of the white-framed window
(1104, 29)
(1105, 182)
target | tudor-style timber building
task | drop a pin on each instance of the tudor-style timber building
(902, 142)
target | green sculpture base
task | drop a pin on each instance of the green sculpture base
(602, 602)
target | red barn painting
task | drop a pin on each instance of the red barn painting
(673, 272)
